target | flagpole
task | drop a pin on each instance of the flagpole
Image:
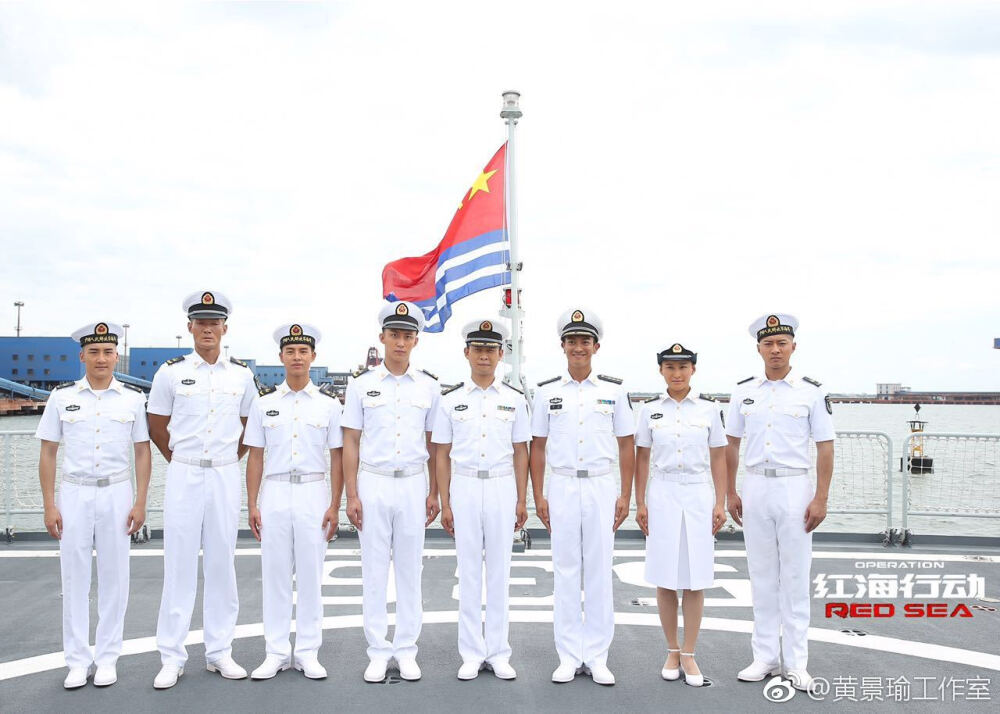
(510, 113)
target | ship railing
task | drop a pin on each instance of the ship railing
(955, 476)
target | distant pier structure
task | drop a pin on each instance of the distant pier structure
(916, 462)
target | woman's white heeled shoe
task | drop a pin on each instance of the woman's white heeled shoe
(694, 680)
(670, 674)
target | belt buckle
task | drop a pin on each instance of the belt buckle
(294, 478)
(102, 482)
(483, 473)
(770, 472)
(398, 473)
(205, 463)
(582, 473)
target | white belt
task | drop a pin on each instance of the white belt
(496, 472)
(204, 463)
(581, 473)
(678, 477)
(297, 477)
(761, 471)
(100, 482)
(393, 473)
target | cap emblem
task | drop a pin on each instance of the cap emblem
(577, 316)
(295, 330)
(773, 321)
(101, 329)
(486, 326)
(676, 349)
(402, 309)
(207, 299)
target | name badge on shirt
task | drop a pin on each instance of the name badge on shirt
(658, 415)
(72, 407)
(187, 381)
(461, 407)
(272, 412)
(748, 400)
(374, 393)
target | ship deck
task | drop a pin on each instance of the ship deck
(947, 661)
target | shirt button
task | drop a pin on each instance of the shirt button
(397, 434)
(483, 455)
(296, 419)
(768, 426)
(98, 446)
(211, 411)
(98, 414)
(397, 452)
(767, 444)
(484, 436)
(580, 459)
(679, 451)
(97, 464)
(295, 436)
(97, 430)
(295, 453)
(209, 431)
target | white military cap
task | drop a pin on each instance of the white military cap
(402, 315)
(98, 333)
(207, 304)
(775, 323)
(485, 332)
(580, 321)
(297, 333)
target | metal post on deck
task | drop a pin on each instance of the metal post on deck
(8, 461)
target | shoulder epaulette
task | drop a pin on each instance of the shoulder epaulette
(744, 381)
(264, 391)
(133, 387)
(175, 360)
(64, 385)
(330, 391)
(606, 378)
(547, 381)
(508, 384)
(240, 362)
(706, 397)
(652, 399)
(432, 376)
(452, 388)
(811, 381)
(358, 372)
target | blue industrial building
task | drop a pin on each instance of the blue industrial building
(144, 361)
(40, 362)
(271, 375)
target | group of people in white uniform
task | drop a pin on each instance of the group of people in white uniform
(480, 445)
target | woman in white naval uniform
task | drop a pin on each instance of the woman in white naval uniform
(296, 513)
(482, 432)
(681, 451)
(97, 418)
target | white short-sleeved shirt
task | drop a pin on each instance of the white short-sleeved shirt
(778, 420)
(393, 415)
(581, 421)
(96, 428)
(204, 402)
(296, 428)
(680, 434)
(482, 425)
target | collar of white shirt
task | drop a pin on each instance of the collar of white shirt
(471, 386)
(567, 378)
(790, 379)
(692, 396)
(310, 389)
(197, 361)
(382, 372)
(82, 384)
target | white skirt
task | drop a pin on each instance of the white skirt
(680, 549)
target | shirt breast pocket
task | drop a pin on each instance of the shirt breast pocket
(316, 431)
(191, 401)
(503, 423)
(603, 417)
(376, 410)
(120, 425)
(559, 420)
(794, 418)
(228, 400)
(74, 428)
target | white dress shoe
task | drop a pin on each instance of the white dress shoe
(601, 674)
(376, 670)
(564, 673)
(469, 670)
(757, 671)
(227, 667)
(694, 680)
(310, 667)
(409, 669)
(168, 676)
(271, 665)
(106, 675)
(502, 669)
(76, 677)
(668, 673)
(800, 679)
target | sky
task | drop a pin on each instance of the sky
(681, 169)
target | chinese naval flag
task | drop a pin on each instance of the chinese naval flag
(472, 256)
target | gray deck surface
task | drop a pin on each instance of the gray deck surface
(30, 626)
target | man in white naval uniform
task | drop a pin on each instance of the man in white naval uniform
(296, 515)
(576, 420)
(388, 419)
(97, 418)
(482, 432)
(197, 408)
(778, 414)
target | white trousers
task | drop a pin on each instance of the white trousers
(582, 515)
(393, 515)
(779, 556)
(292, 541)
(485, 511)
(92, 517)
(201, 509)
